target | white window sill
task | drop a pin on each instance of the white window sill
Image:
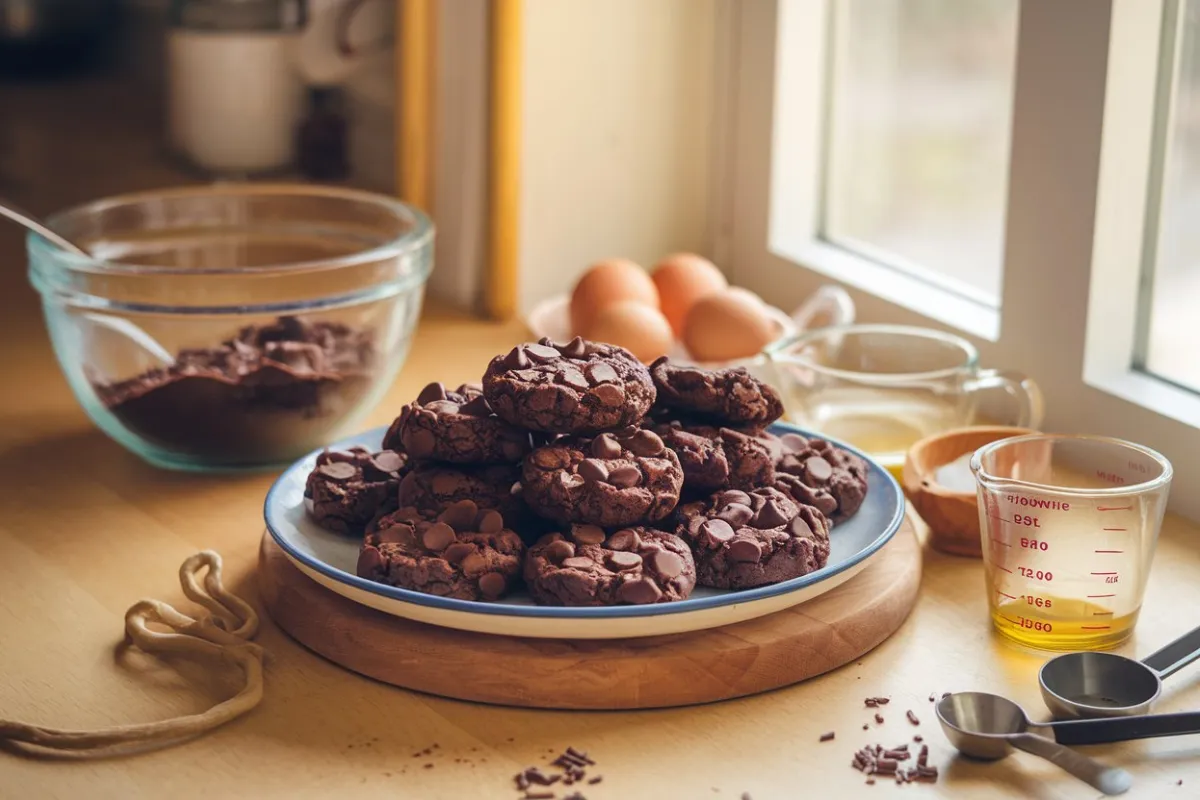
(1147, 391)
(895, 286)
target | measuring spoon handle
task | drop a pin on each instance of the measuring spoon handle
(1120, 729)
(1103, 778)
(1178, 654)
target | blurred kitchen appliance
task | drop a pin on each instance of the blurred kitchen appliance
(234, 96)
(349, 44)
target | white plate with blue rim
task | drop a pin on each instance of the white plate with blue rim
(330, 559)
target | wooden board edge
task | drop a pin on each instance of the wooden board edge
(750, 672)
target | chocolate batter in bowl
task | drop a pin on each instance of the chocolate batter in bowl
(233, 326)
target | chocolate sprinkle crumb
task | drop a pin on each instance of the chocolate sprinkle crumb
(879, 718)
(912, 717)
(825, 737)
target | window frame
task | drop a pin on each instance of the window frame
(797, 200)
(1075, 221)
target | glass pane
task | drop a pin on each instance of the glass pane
(918, 144)
(1173, 324)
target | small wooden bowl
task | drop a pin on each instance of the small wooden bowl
(952, 516)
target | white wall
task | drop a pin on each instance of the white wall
(616, 158)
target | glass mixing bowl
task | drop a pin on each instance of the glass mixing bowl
(233, 326)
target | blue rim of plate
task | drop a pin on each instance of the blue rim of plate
(606, 612)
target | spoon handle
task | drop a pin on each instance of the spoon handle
(1110, 780)
(23, 217)
(1168, 660)
(1120, 729)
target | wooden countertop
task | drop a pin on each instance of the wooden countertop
(87, 529)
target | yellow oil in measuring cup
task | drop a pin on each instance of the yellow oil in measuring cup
(1069, 525)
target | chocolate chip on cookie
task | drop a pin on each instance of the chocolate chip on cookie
(577, 387)
(591, 567)
(613, 479)
(744, 539)
(348, 488)
(823, 466)
(718, 458)
(433, 487)
(731, 397)
(464, 552)
(457, 427)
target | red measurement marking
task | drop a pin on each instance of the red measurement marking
(1120, 508)
(1009, 596)
(1001, 541)
(1095, 627)
(1006, 569)
(1100, 595)
(1109, 551)
(1116, 529)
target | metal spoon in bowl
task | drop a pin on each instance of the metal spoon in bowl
(989, 727)
(23, 217)
(122, 326)
(1098, 684)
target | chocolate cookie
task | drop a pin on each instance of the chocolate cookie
(433, 487)
(578, 387)
(821, 465)
(587, 567)
(718, 458)
(348, 488)
(728, 396)
(745, 539)
(463, 552)
(614, 479)
(457, 427)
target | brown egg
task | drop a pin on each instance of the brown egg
(605, 283)
(682, 279)
(637, 327)
(728, 325)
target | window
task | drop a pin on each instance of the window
(1169, 319)
(916, 155)
(1020, 171)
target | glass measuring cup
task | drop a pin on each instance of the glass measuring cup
(1068, 527)
(884, 387)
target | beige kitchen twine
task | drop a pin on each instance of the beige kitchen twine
(220, 636)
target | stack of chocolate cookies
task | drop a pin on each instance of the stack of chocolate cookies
(591, 479)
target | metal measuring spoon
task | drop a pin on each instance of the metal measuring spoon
(1108, 685)
(989, 727)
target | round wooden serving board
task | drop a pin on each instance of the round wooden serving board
(654, 672)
